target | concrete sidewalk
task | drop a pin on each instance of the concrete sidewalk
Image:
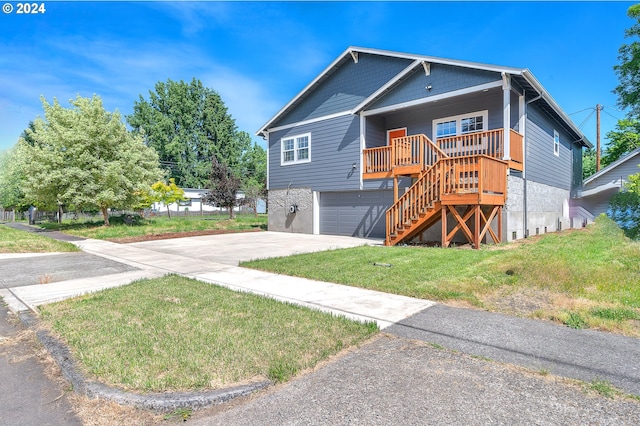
(361, 304)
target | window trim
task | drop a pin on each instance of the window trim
(556, 143)
(458, 119)
(296, 148)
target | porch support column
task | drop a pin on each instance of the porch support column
(506, 114)
(522, 125)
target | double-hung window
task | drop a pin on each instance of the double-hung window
(556, 143)
(295, 149)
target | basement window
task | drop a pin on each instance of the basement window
(295, 149)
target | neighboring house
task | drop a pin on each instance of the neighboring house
(194, 203)
(409, 147)
(593, 198)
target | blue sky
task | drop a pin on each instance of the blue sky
(258, 55)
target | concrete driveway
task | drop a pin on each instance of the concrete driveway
(231, 249)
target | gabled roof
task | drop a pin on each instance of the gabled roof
(612, 166)
(522, 76)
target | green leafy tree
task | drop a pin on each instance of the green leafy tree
(223, 187)
(187, 124)
(624, 209)
(634, 183)
(254, 178)
(11, 177)
(628, 71)
(588, 162)
(254, 190)
(167, 194)
(624, 139)
(83, 156)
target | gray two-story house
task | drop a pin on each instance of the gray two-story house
(417, 148)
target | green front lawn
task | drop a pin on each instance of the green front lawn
(16, 241)
(177, 334)
(591, 274)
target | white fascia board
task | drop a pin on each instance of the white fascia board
(467, 90)
(549, 99)
(444, 61)
(302, 92)
(310, 121)
(386, 86)
(613, 165)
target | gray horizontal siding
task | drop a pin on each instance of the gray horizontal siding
(349, 85)
(335, 146)
(442, 79)
(420, 120)
(541, 164)
(376, 132)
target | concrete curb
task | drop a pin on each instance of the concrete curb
(162, 402)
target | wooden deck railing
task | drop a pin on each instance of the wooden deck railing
(516, 148)
(414, 150)
(420, 151)
(487, 143)
(377, 160)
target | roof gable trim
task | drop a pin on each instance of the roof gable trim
(309, 121)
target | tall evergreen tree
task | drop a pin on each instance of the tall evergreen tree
(187, 124)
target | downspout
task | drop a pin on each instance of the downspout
(524, 166)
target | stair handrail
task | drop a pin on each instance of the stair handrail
(424, 192)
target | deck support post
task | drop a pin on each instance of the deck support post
(445, 243)
(481, 221)
(395, 188)
(476, 231)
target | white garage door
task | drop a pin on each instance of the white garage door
(355, 213)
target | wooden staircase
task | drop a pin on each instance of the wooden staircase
(441, 183)
(417, 209)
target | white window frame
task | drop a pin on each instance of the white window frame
(458, 119)
(296, 148)
(556, 143)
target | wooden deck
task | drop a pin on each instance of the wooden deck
(463, 177)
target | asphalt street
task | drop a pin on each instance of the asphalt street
(28, 396)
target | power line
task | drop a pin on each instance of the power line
(586, 119)
(611, 115)
(583, 110)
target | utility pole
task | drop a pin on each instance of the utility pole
(598, 108)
